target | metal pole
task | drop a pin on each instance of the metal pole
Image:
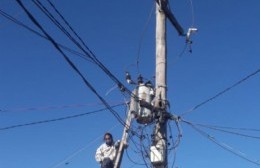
(160, 139)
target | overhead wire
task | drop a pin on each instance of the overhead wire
(142, 38)
(57, 119)
(144, 152)
(234, 128)
(176, 143)
(227, 131)
(138, 147)
(17, 14)
(72, 65)
(19, 23)
(70, 157)
(222, 92)
(223, 145)
(173, 144)
(93, 58)
(174, 157)
(87, 51)
(44, 108)
(131, 160)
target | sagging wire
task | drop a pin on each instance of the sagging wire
(144, 150)
(138, 150)
(226, 131)
(70, 157)
(72, 65)
(142, 38)
(235, 128)
(56, 119)
(88, 52)
(46, 108)
(19, 23)
(131, 160)
(244, 79)
(176, 143)
(222, 144)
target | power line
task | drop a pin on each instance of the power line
(14, 20)
(234, 128)
(139, 148)
(88, 52)
(223, 145)
(173, 144)
(74, 154)
(66, 22)
(142, 38)
(131, 160)
(222, 92)
(85, 55)
(70, 62)
(57, 119)
(48, 107)
(226, 131)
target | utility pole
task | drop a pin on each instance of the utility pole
(160, 134)
(123, 142)
(148, 107)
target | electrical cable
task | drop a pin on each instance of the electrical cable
(19, 23)
(222, 145)
(48, 107)
(67, 23)
(90, 54)
(226, 131)
(170, 136)
(69, 158)
(94, 60)
(173, 144)
(144, 152)
(222, 92)
(87, 52)
(176, 143)
(70, 62)
(139, 150)
(131, 160)
(142, 38)
(17, 14)
(174, 157)
(57, 119)
(235, 128)
(179, 134)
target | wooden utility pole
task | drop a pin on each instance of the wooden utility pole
(160, 84)
(159, 147)
(123, 142)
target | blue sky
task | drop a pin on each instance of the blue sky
(33, 74)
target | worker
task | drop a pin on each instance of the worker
(106, 153)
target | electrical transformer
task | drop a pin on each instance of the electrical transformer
(145, 93)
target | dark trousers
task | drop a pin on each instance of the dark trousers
(107, 163)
